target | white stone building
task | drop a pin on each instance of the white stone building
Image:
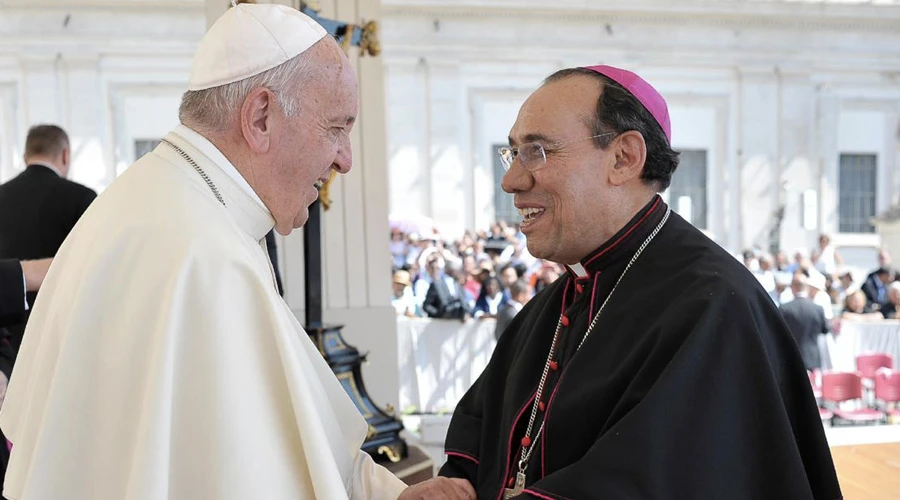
(774, 103)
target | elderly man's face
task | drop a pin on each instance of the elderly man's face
(308, 146)
(856, 302)
(571, 190)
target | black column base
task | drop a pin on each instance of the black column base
(383, 441)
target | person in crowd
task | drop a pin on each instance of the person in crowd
(782, 261)
(403, 301)
(817, 291)
(765, 272)
(549, 272)
(782, 293)
(806, 321)
(844, 285)
(856, 308)
(399, 248)
(826, 258)
(876, 287)
(508, 275)
(470, 267)
(891, 310)
(490, 300)
(446, 297)
(520, 293)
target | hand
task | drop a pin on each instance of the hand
(440, 488)
(35, 271)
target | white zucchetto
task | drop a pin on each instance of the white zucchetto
(249, 39)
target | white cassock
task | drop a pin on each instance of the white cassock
(160, 361)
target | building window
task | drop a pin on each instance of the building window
(856, 188)
(144, 146)
(504, 209)
(687, 193)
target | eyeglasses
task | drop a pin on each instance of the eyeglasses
(533, 155)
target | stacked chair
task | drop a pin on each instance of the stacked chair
(867, 396)
(887, 393)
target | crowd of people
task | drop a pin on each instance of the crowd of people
(499, 257)
(829, 283)
(815, 293)
(483, 274)
(488, 274)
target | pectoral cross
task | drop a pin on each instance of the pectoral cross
(516, 490)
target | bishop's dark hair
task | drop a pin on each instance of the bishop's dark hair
(618, 111)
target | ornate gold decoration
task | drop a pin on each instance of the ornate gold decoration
(392, 454)
(325, 192)
(369, 42)
(348, 376)
(372, 431)
(348, 37)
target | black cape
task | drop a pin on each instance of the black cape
(689, 387)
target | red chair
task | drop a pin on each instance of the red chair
(887, 389)
(869, 363)
(838, 387)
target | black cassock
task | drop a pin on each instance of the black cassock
(690, 386)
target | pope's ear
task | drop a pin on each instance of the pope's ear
(256, 119)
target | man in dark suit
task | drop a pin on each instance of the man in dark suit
(806, 321)
(39, 207)
(876, 286)
(446, 297)
(519, 293)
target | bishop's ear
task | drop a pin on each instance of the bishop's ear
(631, 153)
(257, 119)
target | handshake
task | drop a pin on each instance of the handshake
(440, 488)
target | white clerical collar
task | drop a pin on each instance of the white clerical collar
(43, 164)
(578, 269)
(250, 214)
(212, 152)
